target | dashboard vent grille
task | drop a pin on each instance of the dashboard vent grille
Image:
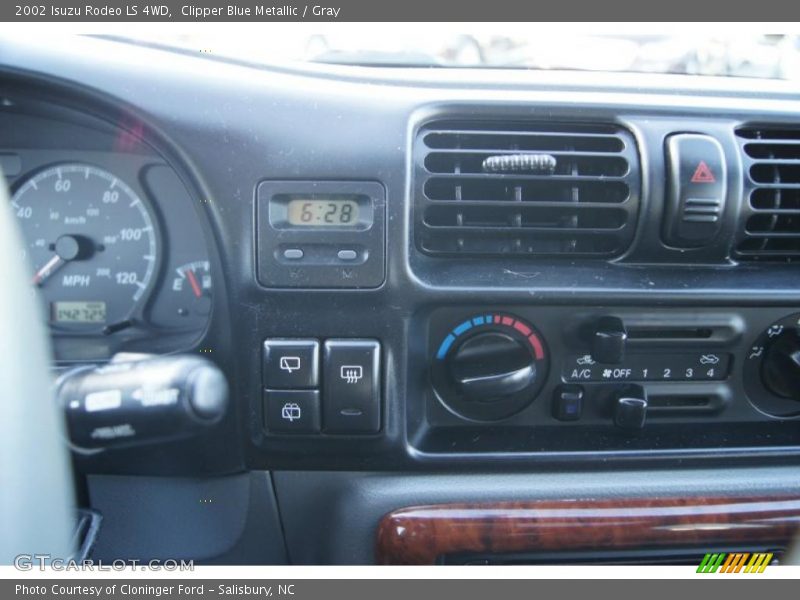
(538, 189)
(770, 221)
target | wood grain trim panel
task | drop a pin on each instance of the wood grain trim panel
(421, 534)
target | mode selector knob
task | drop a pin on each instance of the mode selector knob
(492, 365)
(780, 368)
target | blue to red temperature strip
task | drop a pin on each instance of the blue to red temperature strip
(494, 320)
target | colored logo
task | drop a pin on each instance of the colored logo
(735, 562)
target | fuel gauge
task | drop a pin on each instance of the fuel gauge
(185, 299)
(191, 289)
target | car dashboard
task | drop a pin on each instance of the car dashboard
(424, 287)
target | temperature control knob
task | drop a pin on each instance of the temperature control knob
(492, 365)
(489, 367)
(780, 368)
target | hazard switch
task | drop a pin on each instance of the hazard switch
(696, 189)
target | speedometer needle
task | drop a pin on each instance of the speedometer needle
(193, 282)
(68, 248)
(48, 269)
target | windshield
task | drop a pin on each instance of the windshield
(736, 55)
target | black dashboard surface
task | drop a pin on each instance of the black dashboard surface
(223, 128)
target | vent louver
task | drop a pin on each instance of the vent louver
(770, 219)
(567, 189)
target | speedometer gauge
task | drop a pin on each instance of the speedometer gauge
(91, 242)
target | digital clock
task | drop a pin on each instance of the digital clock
(321, 234)
(316, 212)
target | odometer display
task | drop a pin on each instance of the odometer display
(90, 241)
(78, 312)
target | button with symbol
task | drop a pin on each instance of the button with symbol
(292, 411)
(696, 190)
(291, 364)
(352, 386)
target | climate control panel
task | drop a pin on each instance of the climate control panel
(540, 382)
(544, 377)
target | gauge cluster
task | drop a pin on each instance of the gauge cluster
(114, 241)
(92, 243)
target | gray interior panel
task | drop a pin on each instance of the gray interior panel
(225, 520)
(332, 517)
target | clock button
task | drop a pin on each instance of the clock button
(293, 254)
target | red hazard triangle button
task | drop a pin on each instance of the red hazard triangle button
(702, 174)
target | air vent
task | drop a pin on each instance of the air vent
(535, 189)
(770, 221)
